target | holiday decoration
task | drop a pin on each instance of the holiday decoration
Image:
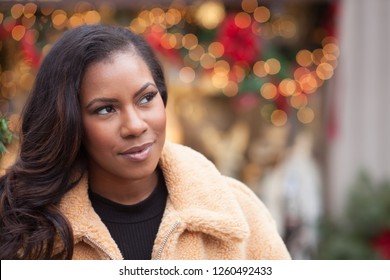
(241, 45)
(243, 76)
(5, 134)
(381, 244)
(364, 231)
(235, 51)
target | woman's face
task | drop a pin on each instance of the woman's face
(123, 116)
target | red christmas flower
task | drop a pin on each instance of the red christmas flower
(382, 244)
(241, 44)
(29, 50)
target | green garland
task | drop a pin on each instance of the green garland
(6, 135)
(364, 230)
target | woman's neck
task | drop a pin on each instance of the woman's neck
(122, 190)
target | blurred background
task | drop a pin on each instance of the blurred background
(288, 96)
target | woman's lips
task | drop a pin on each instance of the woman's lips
(138, 153)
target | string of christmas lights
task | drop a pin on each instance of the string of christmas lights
(206, 41)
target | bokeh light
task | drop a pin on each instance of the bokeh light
(242, 20)
(210, 14)
(279, 117)
(262, 14)
(305, 115)
(187, 74)
(269, 91)
(249, 6)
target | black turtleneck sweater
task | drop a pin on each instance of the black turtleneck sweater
(133, 227)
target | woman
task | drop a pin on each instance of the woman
(95, 178)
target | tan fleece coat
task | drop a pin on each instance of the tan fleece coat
(208, 216)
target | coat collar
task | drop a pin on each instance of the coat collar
(198, 194)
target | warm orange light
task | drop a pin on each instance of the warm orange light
(207, 61)
(269, 91)
(239, 72)
(331, 59)
(301, 71)
(242, 20)
(190, 41)
(172, 40)
(272, 66)
(179, 40)
(279, 118)
(145, 18)
(287, 27)
(29, 10)
(18, 32)
(222, 67)
(46, 49)
(92, 17)
(173, 16)
(216, 49)
(318, 54)
(305, 115)
(17, 11)
(324, 71)
(308, 83)
(332, 48)
(187, 74)
(164, 41)
(304, 58)
(298, 101)
(219, 81)
(249, 6)
(157, 15)
(138, 25)
(287, 87)
(196, 53)
(76, 20)
(231, 89)
(59, 18)
(259, 69)
(262, 14)
(329, 40)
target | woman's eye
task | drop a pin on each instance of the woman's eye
(148, 97)
(105, 110)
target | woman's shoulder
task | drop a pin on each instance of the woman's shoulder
(195, 180)
(263, 230)
(181, 152)
(181, 159)
(247, 198)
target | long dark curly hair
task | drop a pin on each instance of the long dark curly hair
(52, 159)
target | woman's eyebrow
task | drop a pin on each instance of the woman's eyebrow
(101, 99)
(113, 100)
(144, 87)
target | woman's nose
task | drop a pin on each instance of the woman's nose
(132, 123)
